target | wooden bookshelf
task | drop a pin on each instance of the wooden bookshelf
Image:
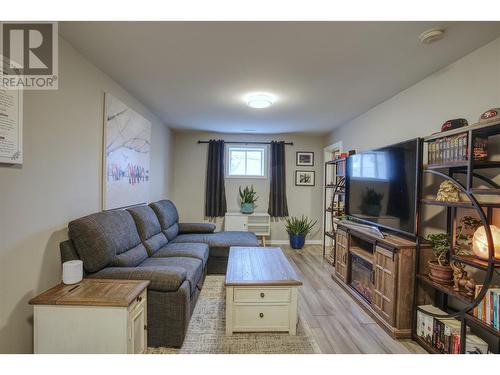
(478, 164)
(474, 261)
(461, 204)
(334, 192)
(488, 199)
(426, 346)
(488, 327)
(444, 288)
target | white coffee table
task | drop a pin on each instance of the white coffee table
(261, 291)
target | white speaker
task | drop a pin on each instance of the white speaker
(72, 272)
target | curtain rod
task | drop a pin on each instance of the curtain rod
(250, 143)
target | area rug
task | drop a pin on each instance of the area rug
(206, 331)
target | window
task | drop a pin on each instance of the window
(246, 161)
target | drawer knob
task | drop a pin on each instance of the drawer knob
(262, 295)
(261, 315)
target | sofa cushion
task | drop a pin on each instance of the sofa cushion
(168, 216)
(107, 238)
(148, 227)
(163, 278)
(192, 266)
(192, 238)
(196, 227)
(220, 242)
(131, 257)
(190, 250)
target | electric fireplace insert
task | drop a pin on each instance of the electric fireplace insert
(361, 277)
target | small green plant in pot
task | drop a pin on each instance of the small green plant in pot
(248, 197)
(440, 270)
(298, 229)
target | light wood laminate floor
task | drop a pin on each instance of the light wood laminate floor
(337, 322)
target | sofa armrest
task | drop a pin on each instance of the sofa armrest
(163, 278)
(185, 228)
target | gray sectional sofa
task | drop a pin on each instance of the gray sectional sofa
(149, 243)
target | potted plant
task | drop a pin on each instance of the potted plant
(440, 270)
(371, 202)
(298, 229)
(248, 197)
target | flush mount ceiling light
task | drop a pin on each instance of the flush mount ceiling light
(431, 36)
(259, 100)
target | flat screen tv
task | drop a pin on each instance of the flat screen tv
(381, 186)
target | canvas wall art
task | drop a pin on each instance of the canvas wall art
(127, 148)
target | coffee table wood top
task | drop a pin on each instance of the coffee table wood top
(93, 292)
(259, 266)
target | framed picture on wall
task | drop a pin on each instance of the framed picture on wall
(304, 159)
(127, 146)
(304, 178)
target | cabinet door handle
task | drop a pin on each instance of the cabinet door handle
(261, 315)
(262, 295)
(145, 327)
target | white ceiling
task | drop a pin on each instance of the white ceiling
(193, 74)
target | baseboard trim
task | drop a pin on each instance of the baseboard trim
(286, 242)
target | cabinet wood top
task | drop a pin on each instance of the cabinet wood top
(93, 292)
(390, 240)
(259, 266)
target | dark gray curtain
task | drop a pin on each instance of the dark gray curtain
(277, 193)
(215, 192)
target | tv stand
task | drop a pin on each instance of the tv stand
(370, 228)
(378, 273)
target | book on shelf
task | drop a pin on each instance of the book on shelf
(455, 149)
(443, 334)
(475, 345)
(425, 322)
(488, 310)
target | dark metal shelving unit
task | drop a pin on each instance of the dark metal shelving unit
(336, 188)
(448, 171)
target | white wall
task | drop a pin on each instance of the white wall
(465, 88)
(59, 181)
(190, 160)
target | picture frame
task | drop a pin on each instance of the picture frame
(305, 178)
(304, 159)
(126, 155)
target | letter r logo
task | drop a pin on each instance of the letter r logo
(27, 48)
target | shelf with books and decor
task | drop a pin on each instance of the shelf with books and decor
(334, 198)
(474, 261)
(439, 334)
(444, 288)
(454, 313)
(459, 204)
(491, 328)
(424, 344)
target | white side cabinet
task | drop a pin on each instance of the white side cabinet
(94, 316)
(258, 222)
